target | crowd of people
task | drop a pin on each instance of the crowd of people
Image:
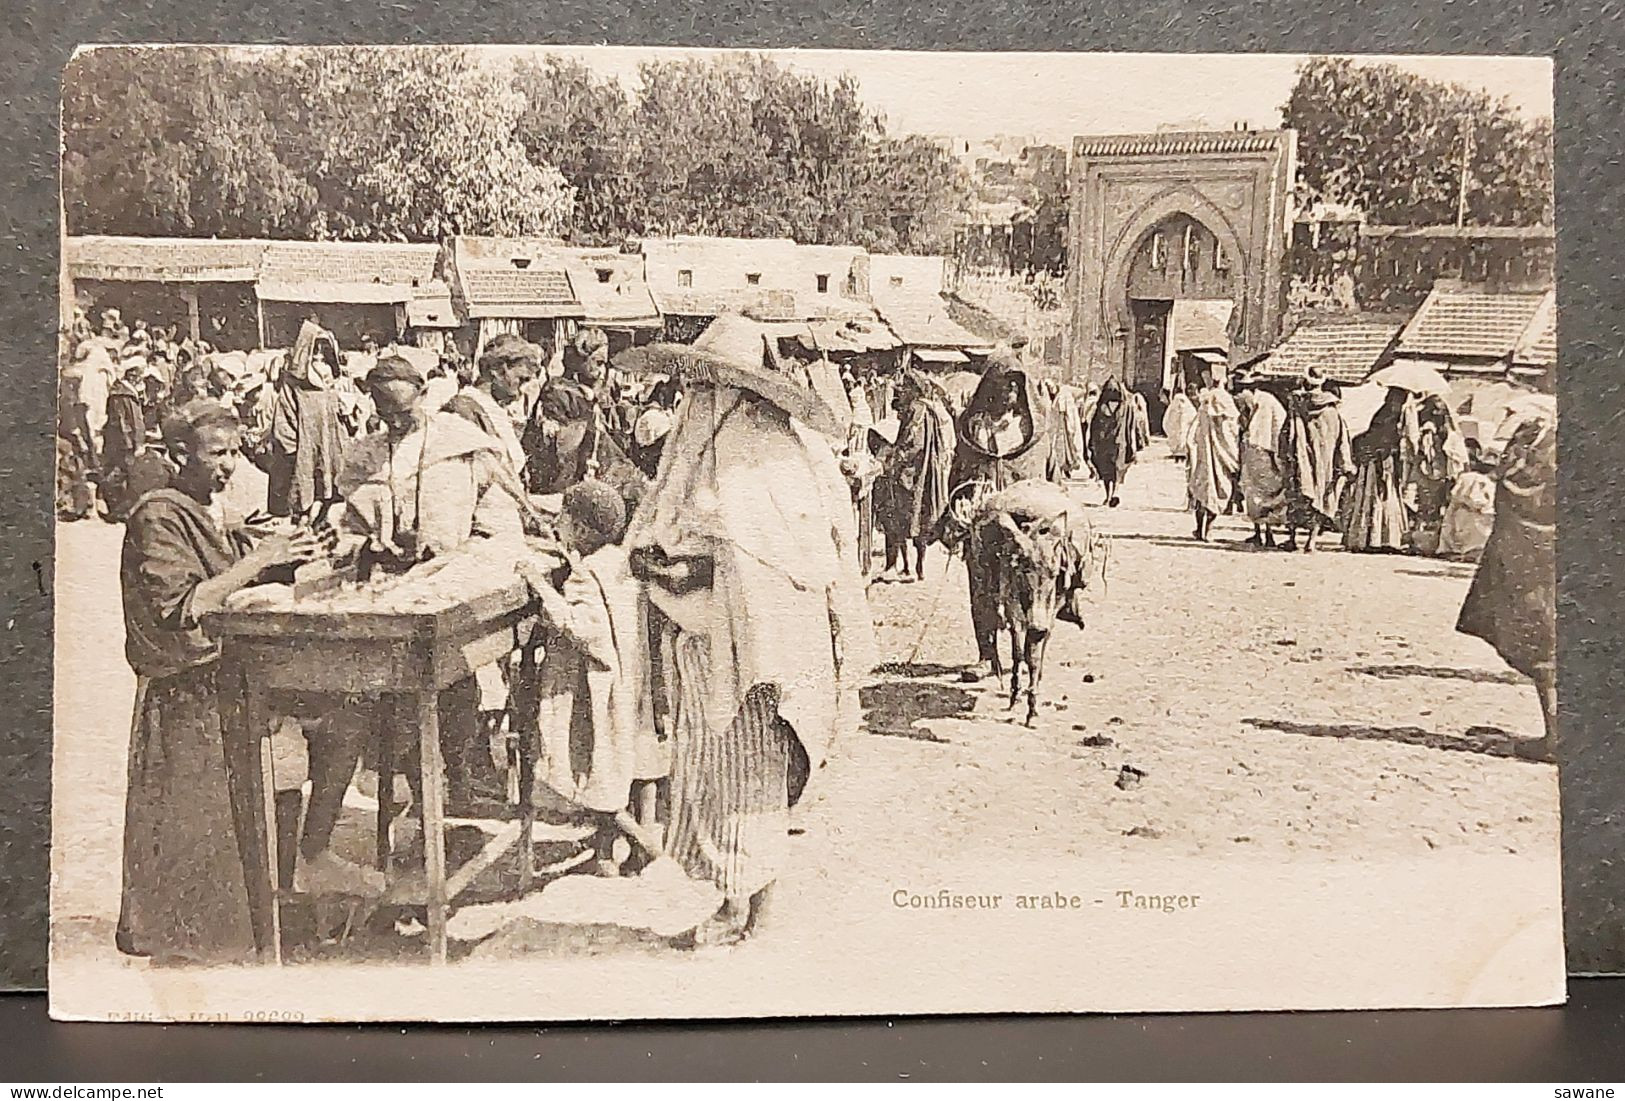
(300, 407)
(1409, 482)
(711, 527)
(1281, 453)
(702, 618)
(916, 444)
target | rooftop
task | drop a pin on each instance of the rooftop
(538, 277)
(1537, 347)
(1466, 323)
(773, 278)
(1341, 347)
(345, 271)
(164, 259)
(921, 318)
(611, 286)
(531, 292)
(431, 307)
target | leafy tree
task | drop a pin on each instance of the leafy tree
(582, 124)
(740, 145)
(917, 194)
(705, 164)
(173, 141)
(415, 144)
(1391, 144)
(365, 143)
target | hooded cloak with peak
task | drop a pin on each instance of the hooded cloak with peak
(1114, 437)
(919, 467)
(1315, 458)
(978, 456)
(303, 450)
(1214, 456)
(1262, 484)
(1512, 602)
(762, 497)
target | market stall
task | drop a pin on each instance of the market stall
(392, 643)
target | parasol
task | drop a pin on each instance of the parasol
(1359, 404)
(1411, 376)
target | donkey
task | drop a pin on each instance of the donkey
(1038, 548)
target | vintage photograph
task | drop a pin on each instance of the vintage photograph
(572, 533)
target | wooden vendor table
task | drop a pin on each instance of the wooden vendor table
(402, 656)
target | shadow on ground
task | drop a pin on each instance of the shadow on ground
(1460, 570)
(1476, 676)
(1491, 741)
(895, 705)
(1190, 542)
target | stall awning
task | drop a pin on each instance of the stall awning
(353, 294)
(532, 293)
(1345, 348)
(940, 355)
(353, 272)
(1195, 324)
(431, 313)
(852, 335)
(163, 259)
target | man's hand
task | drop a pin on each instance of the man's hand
(259, 526)
(285, 549)
(260, 523)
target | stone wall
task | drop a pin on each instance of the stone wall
(1346, 265)
(1031, 305)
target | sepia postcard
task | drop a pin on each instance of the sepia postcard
(557, 533)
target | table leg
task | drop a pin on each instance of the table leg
(257, 721)
(527, 810)
(433, 778)
(522, 708)
(384, 733)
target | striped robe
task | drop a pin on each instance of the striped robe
(730, 787)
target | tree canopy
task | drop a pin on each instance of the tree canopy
(364, 143)
(174, 141)
(1391, 144)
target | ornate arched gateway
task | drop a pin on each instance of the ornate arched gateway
(1163, 219)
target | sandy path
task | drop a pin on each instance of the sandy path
(1300, 720)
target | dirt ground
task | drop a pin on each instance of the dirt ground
(1286, 710)
(1278, 704)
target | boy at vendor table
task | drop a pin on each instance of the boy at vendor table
(598, 744)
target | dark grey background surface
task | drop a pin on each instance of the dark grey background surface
(1585, 37)
(1575, 1045)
